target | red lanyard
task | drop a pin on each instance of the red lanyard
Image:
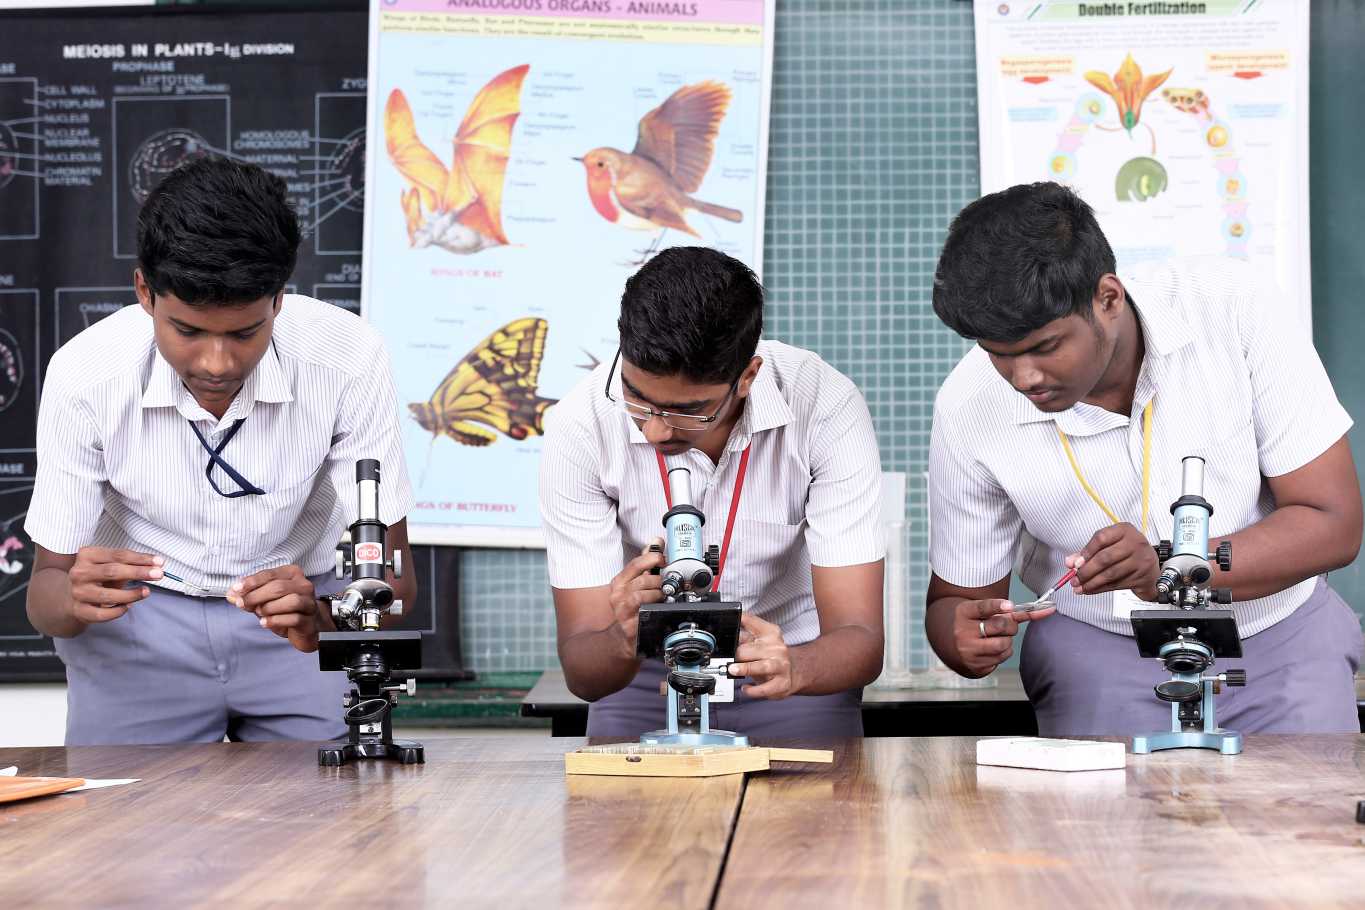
(734, 505)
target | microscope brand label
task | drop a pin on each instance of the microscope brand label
(369, 553)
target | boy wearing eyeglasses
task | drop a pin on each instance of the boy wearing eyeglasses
(196, 466)
(784, 465)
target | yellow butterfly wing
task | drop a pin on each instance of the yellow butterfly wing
(417, 163)
(494, 384)
(482, 147)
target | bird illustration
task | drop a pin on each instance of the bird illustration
(459, 209)
(650, 188)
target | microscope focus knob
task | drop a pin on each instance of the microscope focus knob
(396, 562)
(1235, 677)
(713, 558)
(1163, 551)
(1225, 556)
(340, 569)
(1222, 595)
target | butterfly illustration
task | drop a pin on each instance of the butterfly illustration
(494, 385)
(458, 209)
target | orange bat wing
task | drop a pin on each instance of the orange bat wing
(679, 135)
(417, 163)
(482, 147)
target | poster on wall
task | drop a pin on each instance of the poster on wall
(528, 156)
(1183, 124)
(96, 107)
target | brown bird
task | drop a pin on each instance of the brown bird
(650, 188)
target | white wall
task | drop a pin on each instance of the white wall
(32, 714)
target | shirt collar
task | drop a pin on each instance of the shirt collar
(267, 383)
(1164, 332)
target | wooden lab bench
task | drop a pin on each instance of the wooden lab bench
(494, 822)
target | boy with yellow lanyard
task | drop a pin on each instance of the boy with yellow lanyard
(1057, 443)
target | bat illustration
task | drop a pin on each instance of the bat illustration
(458, 209)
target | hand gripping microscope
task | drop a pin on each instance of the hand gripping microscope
(690, 627)
(1191, 636)
(369, 657)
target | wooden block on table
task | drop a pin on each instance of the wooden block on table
(17, 788)
(1050, 754)
(639, 760)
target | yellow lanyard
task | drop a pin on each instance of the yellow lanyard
(1146, 468)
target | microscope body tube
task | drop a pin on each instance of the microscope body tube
(367, 546)
(1189, 564)
(686, 569)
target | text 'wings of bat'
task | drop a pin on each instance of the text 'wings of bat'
(495, 385)
(459, 209)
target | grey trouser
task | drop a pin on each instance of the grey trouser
(1084, 681)
(639, 708)
(179, 669)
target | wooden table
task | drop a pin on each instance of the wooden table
(494, 823)
(914, 822)
(1000, 710)
(486, 822)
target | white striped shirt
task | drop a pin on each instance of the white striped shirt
(1234, 377)
(119, 465)
(812, 492)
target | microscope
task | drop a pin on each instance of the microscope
(1190, 636)
(369, 657)
(690, 627)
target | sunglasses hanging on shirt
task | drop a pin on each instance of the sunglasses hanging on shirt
(216, 458)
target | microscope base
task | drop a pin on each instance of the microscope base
(710, 738)
(404, 751)
(1227, 742)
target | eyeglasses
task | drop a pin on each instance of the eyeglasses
(687, 423)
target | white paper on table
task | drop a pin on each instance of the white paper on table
(100, 784)
(13, 771)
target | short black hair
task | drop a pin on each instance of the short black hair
(1018, 259)
(218, 232)
(692, 311)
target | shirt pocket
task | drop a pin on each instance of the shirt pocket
(277, 512)
(766, 559)
(1233, 484)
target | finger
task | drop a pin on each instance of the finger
(279, 622)
(126, 557)
(115, 573)
(758, 649)
(1074, 561)
(759, 627)
(1129, 573)
(774, 688)
(1000, 624)
(761, 669)
(993, 647)
(254, 597)
(646, 581)
(985, 609)
(643, 563)
(99, 595)
(264, 577)
(91, 614)
(304, 641)
(1105, 537)
(1101, 561)
(295, 604)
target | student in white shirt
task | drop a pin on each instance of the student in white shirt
(1081, 376)
(693, 385)
(211, 435)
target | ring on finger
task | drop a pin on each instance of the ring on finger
(981, 624)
